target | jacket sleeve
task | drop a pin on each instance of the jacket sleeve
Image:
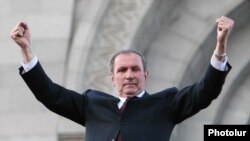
(58, 99)
(191, 99)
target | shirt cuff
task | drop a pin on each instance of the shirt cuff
(27, 67)
(219, 65)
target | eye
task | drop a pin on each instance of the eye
(136, 68)
(122, 69)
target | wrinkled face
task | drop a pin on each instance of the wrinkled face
(128, 77)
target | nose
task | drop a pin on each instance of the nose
(130, 75)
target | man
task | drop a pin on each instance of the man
(145, 117)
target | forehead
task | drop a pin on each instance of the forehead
(127, 59)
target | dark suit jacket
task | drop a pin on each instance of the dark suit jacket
(150, 118)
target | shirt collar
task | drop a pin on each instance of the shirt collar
(123, 99)
(139, 96)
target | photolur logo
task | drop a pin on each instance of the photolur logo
(215, 132)
(236, 132)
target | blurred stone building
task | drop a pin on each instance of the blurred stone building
(74, 40)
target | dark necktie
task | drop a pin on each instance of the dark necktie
(124, 105)
(119, 137)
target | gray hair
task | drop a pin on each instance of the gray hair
(128, 51)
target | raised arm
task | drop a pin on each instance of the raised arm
(191, 99)
(58, 99)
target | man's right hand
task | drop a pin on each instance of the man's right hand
(21, 35)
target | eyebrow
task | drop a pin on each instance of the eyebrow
(125, 67)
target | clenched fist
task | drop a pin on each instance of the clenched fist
(224, 27)
(21, 35)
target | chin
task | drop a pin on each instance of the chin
(131, 92)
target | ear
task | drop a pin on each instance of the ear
(112, 79)
(146, 73)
